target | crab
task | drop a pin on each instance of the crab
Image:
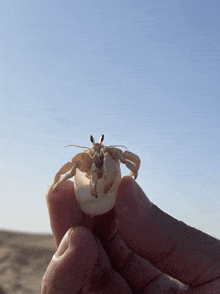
(97, 175)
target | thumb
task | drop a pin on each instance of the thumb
(71, 266)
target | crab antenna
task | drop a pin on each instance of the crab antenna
(92, 140)
(118, 146)
(76, 146)
(101, 139)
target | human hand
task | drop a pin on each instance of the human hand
(158, 245)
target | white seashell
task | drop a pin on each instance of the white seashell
(90, 204)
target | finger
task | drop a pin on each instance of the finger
(104, 278)
(72, 265)
(170, 245)
(62, 206)
(141, 276)
(137, 271)
(65, 213)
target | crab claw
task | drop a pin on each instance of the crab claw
(134, 174)
(55, 188)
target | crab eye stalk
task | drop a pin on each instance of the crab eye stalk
(92, 139)
(101, 139)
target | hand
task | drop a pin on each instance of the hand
(157, 245)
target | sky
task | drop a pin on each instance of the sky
(143, 73)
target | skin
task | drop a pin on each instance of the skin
(136, 256)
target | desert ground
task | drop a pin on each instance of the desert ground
(24, 258)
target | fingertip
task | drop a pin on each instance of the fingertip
(131, 197)
(73, 263)
(63, 210)
(65, 190)
(126, 184)
(64, 244)
(78, 261)
(133, 210)
(77, 238)
(48, 189)
(81, 237)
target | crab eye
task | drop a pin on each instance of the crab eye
(101, 139)
(92, 139)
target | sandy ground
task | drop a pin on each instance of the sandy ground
(23, 261)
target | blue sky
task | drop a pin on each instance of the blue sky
(143, 73)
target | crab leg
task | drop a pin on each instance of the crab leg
(131, 161)
(133, 158)
(94, 180)
(62, 171)
(110, 173)
(67, 176)
(75, 162)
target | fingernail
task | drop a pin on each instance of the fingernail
(72, 239)
(76, 237)
(64, 244)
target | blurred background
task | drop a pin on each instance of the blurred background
(143, 73)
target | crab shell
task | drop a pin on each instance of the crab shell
(104, 202)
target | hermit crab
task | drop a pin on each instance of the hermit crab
(97, 175)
